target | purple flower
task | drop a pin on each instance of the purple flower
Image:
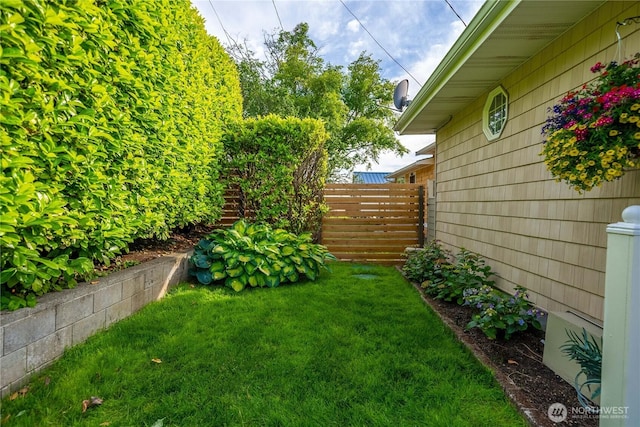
(520, 322)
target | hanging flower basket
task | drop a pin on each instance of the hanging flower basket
(593, 135)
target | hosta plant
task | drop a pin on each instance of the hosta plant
(501, 312)
(254, 254)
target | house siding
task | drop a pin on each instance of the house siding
(497, 198)
(423, 175)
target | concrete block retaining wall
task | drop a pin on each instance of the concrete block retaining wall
(32, 338)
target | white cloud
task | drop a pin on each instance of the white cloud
(355, 47)
(353, 26)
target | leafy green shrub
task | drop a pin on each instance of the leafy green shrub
(468, 271)
(425, 265)
(500, 311)
(465, 280)
(279, 166)
(110, 123)
(256, 255)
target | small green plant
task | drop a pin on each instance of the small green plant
(500, 311)
(425, 265)
(256, 255)
(588, 354)
(469, 271)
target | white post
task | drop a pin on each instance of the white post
(620, 398)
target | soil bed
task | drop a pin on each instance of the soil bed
(142, 250)
(517, 364)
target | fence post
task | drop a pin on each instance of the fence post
(421, 216)
(620, 398)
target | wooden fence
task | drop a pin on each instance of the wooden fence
(373, 222)
(233, 208)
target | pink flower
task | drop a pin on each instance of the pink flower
(581, 134)
(603, 121)
(597, 67)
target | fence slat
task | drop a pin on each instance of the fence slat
(372, 222)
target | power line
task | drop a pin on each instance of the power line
(221, 24)
(454, 11)
(378, 43)
(277, 14)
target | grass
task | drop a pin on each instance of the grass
(357, 347)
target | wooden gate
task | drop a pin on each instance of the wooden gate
(373, 222)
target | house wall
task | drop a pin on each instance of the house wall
(423, 174)
(497, 198)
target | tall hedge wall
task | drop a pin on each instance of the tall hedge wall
(279, 167)
(110, 125)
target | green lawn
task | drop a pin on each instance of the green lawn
(357, 347)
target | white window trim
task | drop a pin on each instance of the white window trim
(491, 135)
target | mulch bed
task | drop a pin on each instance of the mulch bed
(516, 363)
(142, 250)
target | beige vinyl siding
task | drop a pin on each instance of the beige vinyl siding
(497, 198)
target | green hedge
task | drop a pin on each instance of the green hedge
(279, 166)
(111, 116)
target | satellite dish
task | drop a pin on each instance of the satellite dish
(400, 95)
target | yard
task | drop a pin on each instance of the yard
(356, 347)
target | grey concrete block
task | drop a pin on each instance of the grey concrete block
(25, 331)
(1, 341)
(158, 291)
(132, 286)
(47, 349)
(153, 276)
(106, 296)
(86, 327)
(53, 299)
(8, 317)
(118, 311)
(13, 366)
(74, 310)
(140, 299)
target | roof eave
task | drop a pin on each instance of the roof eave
(410, 168)
(501, 37)
(488, 18)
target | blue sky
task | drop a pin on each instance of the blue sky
(416, 33)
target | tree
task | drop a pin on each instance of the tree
(293, 80)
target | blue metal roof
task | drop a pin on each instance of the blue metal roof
(370, 177)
